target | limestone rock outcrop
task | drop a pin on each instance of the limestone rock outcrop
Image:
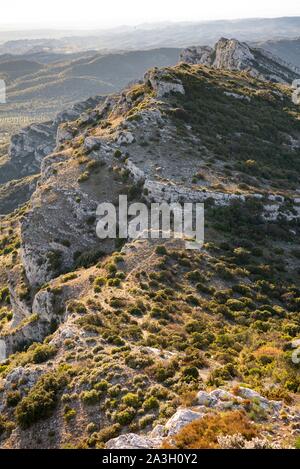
(217, 400)
(30, 145)
(231, 54)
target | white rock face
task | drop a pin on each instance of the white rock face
(161, 85)
(296, 96)
(164, 88)
(206, 399)
(218, 399)
(180, 419)
(265, 403)
(238, 96)
(247, 393)
(296, 84)
(230, 54)
(200, 54)
(2, 351)
(92, 143)
(158, 432)
(222, 395)
(125, 138)
(131, 441)
(30, 145)
(222, 399)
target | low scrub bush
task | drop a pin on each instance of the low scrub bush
(204, 433)
(41, 400)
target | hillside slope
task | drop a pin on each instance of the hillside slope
(100, 338)
(286, 49)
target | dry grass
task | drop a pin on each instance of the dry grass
(203, 433)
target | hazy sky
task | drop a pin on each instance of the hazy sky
(109, 13)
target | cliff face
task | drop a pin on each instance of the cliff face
(27, 149)
(29, 146)
(142, 325)
(230, 54)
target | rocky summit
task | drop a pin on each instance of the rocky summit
(142, 343)
(235, 55)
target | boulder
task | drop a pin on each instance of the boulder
(131, 441)
(206, 399)
(162, 84)
(180, 419)
(263, 402)
(158, 431)
(125, 138)
(92, 143)
(222, 395)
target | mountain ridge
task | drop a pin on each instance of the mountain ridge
(115, 343)
(235, 55)
(172, 34)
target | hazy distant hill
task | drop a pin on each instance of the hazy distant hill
(287, 49)
(148, 36)
(36, 88)
(11, 69)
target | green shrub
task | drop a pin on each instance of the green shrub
(114, 282)
(54, 259)
(109, 432)
(101, 386)
(235, 305)
(111, 268)
(151, 403)
(297, 443)
(192, 300)
(5, 425)
(114, 391)
(69, 413)
(40, 353)
(190, 373)
(117, 153)
(99, 282)
(91, 427)
(41, 400)
(135, 311)
(196, 276)
(138, 360)
(5, 295)
(13, 398)
(91, 397)
(145, 421)
(161, 250)
(84, 177)
(131, 400)
(87, 258)
(125, 417)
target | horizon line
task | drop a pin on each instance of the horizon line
(10, 27)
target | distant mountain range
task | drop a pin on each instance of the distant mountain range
(47, 71)
(44, 83)
(147, 36)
